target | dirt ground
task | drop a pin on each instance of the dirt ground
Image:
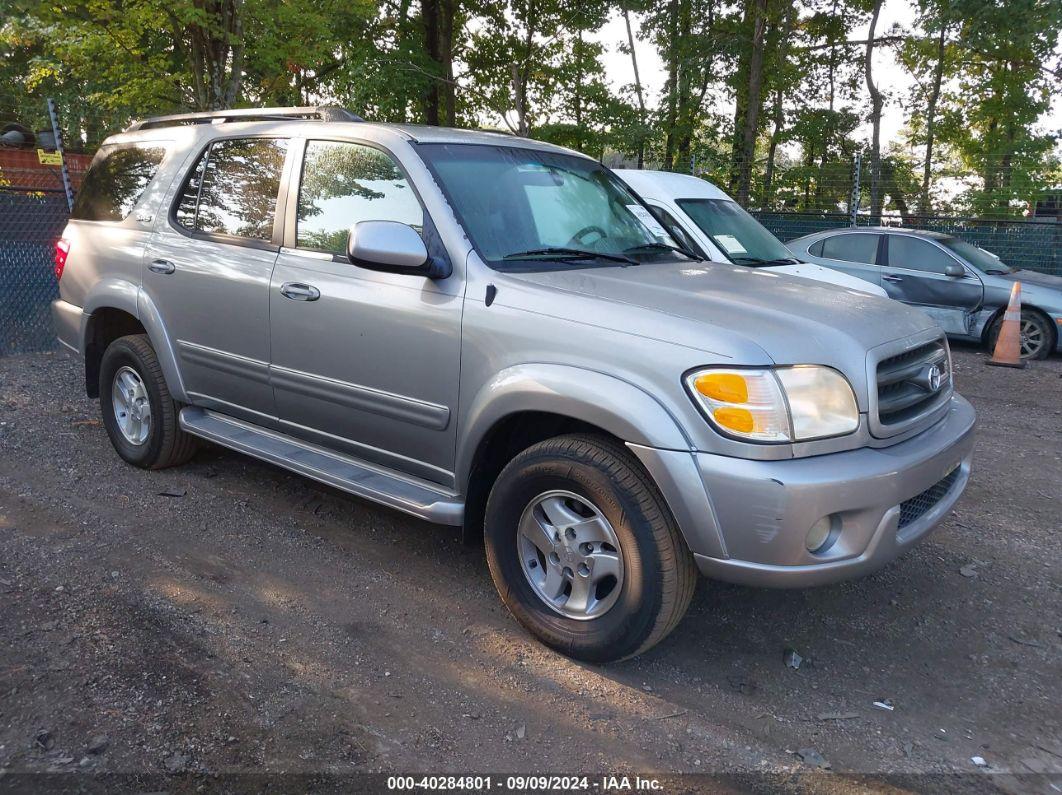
(229, 617)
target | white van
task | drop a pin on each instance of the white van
(703, 218)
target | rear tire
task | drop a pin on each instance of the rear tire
(609, 501)
(138, 412)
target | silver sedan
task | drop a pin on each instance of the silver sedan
(965, 288)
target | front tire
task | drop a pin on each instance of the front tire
(1037, 338)
(138, 412)
(583, 550)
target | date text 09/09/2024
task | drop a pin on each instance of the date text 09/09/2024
(524, 783)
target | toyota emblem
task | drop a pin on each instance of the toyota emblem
(934, 378)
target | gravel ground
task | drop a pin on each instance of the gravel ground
(229, 617)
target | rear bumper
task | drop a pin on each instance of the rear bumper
(758, 514)
(69, 321)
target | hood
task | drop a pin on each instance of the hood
(729, 310)
(1033, 277)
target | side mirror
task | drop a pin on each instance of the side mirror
(955, 270)
(389, 246)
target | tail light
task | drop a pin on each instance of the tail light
(62, 248)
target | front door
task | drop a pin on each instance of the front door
(914, 272)
(363, 361)
(207, 270)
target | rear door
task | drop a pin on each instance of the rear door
(208, 268)
(913, 272)
(854, 253)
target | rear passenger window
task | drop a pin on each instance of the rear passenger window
(851, 248)
(116, 182)
(233, 188)
(343, 183)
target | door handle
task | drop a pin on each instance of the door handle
(161, 266)
(299, 292)
(892, 278)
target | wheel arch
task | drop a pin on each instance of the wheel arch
(1052, 326)
(113, 309)
(524, 405)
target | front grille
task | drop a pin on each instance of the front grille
(905, 388)
(913, 509)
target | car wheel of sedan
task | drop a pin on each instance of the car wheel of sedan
(1037, 337)
(584, 551)
(138, 412)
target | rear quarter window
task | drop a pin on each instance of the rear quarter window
(116, 181)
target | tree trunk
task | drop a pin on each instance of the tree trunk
(672, 85)
(778, 110)
(684, 111)
(429, 15)
(637, 89)
(749, 101)
(876, 103)
(448, 88)
(931, 119)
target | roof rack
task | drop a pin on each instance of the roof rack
(322, 113)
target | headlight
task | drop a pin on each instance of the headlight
(776, 405)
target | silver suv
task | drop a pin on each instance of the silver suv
(493, 332)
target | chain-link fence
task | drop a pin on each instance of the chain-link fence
(30, 223)
(33, 211)
(1030, 245)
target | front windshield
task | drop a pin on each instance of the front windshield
(977, 257)
(736, 233)
(521, 205)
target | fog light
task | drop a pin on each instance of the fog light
(819, 536)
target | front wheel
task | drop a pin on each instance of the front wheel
(584, 551)
(1037, 338)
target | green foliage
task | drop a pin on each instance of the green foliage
(984, 71)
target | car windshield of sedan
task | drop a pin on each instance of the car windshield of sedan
(742, 238)
(530, 208)
(978, 257)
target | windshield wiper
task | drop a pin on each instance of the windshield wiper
(558, 252)
(761, 261)
(662, 247)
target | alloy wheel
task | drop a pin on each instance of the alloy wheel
(132, 408)
(570, 554)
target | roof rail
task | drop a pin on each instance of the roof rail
(310, 112)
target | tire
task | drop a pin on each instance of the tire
(1033, 324)
(595, 479)
(164, 444)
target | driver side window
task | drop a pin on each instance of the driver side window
(343, 183)
(914, 254)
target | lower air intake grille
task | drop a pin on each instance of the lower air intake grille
(913, 509)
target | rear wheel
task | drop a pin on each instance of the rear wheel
(138, 412)
(1037, 337)
(584, 551)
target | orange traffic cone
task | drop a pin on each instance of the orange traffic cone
(1008, 343)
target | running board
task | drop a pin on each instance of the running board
(344, 472)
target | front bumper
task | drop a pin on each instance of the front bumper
(749, 520)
